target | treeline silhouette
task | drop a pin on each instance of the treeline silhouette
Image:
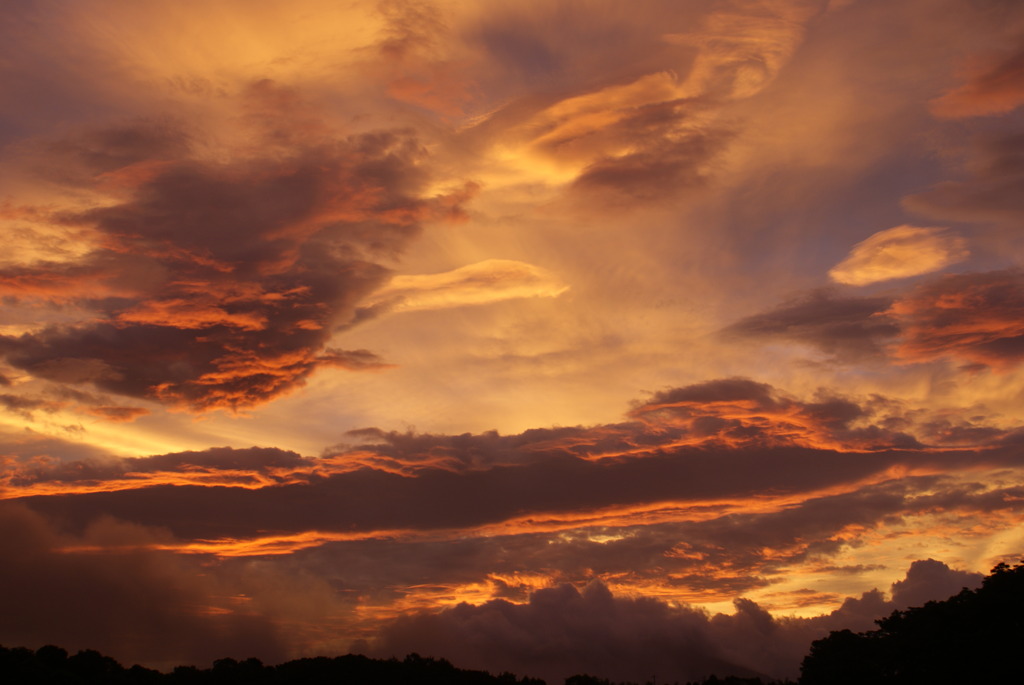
(972, 637)
(52, 664)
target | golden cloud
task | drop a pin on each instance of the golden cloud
(899, 252)
(491, 280)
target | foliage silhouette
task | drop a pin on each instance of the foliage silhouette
(52, 665)
(972, 637)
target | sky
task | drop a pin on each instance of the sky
(650, 338)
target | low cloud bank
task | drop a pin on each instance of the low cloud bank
(562, 631)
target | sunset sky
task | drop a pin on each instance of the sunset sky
(631, 338)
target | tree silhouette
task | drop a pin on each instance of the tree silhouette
(972, 637)
(51, 665)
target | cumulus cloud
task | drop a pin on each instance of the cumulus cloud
(563, 631)
(740, 411)
(899, 252)
(207, 227)
(929, 580)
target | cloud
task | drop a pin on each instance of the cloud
(929, 580)
(844, 327)
(899, 252)
(41, 468)
(658, 170)
(995, 166)
(971, 318)
(993, 84)
(103, 590)
(562, 631)
(207, 224)
(492, 280)
(974, 318)
(705, 495)
(722, 448)
(219, 283)
(744, 45)
(55, 398)
(743, 412)
(642, 121)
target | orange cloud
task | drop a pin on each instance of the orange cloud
(973, 318)
(899, 252)
(492, 280)
(993, 84)
(217, 284)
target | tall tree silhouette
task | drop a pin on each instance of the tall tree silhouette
(972, 637)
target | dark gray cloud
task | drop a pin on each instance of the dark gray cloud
(994, 86)
(562, 631)
(721, 440)
(136, 605)
(846, 328)
(929, 580)
(368, 500)
(242, 466)
(969, 318)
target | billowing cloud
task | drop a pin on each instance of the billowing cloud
(899, 252)
(928, 580)
(562, 631)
